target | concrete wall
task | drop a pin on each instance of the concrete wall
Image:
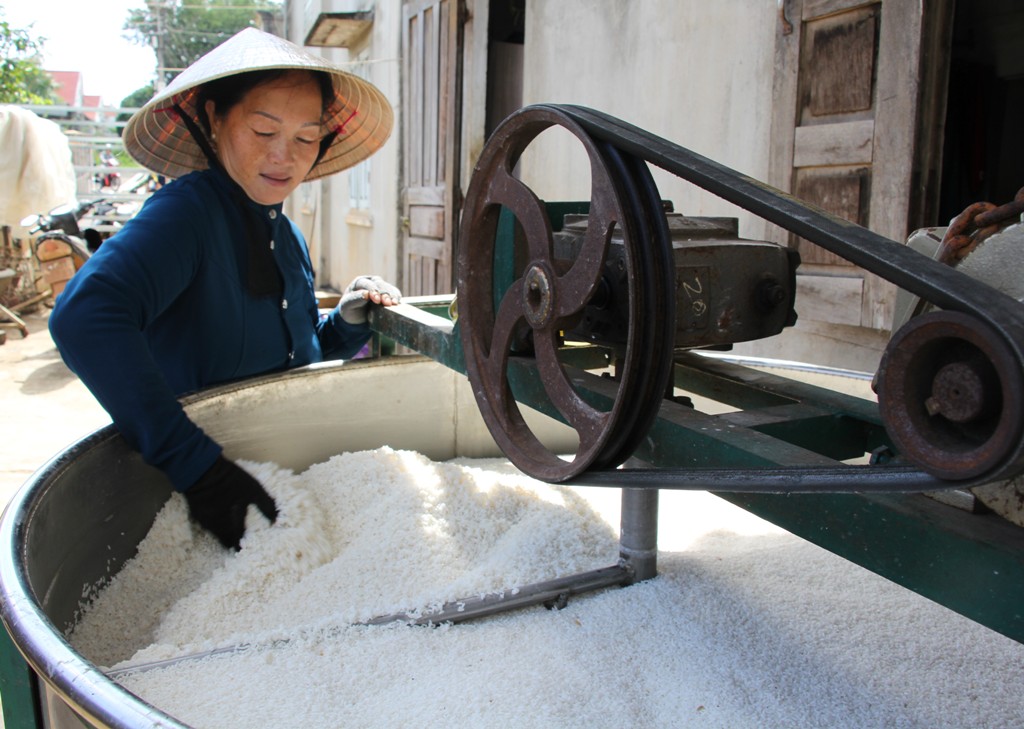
(695, 72)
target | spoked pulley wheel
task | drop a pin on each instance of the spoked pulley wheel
(524, 323)
(951, 393)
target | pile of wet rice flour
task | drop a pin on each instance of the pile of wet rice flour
(745, 626)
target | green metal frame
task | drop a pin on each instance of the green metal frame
(969, 562)
(19, 690)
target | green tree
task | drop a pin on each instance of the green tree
(180, 31)
(134, 100)
(138, 97)
(22, 78)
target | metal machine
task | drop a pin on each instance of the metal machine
(595, 313)
(604, 315)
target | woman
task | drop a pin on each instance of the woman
(210, 282)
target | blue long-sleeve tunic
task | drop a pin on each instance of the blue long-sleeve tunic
(162, 310)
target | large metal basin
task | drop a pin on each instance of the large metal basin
(82, 515)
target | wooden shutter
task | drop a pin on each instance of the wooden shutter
(845, 134)
(431, 48)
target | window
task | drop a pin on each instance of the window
(359, 175)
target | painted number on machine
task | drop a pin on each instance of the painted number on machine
(692, 298)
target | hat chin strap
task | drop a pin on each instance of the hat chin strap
(325, 144)
(263, 278)
(198, 136)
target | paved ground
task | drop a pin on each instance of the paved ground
(44, 406)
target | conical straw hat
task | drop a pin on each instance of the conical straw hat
(158, 139)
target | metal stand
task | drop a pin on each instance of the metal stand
(638, 540)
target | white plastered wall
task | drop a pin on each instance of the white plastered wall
(697, 73)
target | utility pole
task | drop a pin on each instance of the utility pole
(157, 8)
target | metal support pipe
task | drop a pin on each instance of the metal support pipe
(638, 539)
(552, 593)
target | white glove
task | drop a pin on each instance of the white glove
(361, 292)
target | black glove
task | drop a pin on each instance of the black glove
(220, 498)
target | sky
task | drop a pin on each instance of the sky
(86, 36)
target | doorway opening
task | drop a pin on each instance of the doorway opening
(983, 151)
(506, 31)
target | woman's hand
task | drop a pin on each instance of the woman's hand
(363, 291)
(221, 497)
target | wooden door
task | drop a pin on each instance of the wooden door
(431, 105)
(846, 134)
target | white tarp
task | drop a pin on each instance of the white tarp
(36, 173)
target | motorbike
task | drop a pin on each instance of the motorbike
(59, 245)
(109, 179)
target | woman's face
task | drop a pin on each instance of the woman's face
(269, 140)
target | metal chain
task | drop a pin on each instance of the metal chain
(976, 223)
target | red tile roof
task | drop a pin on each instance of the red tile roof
(90, 101)
(69, 86)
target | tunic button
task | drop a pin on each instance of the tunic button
(271, 245)
(273, 214)
(291, 355)
(284, 303)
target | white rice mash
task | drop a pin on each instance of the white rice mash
(745, 626)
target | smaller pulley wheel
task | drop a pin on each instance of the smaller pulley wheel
(951, 394)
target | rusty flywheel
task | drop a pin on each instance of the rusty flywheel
(526, 325)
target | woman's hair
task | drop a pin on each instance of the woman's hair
(226, 92)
